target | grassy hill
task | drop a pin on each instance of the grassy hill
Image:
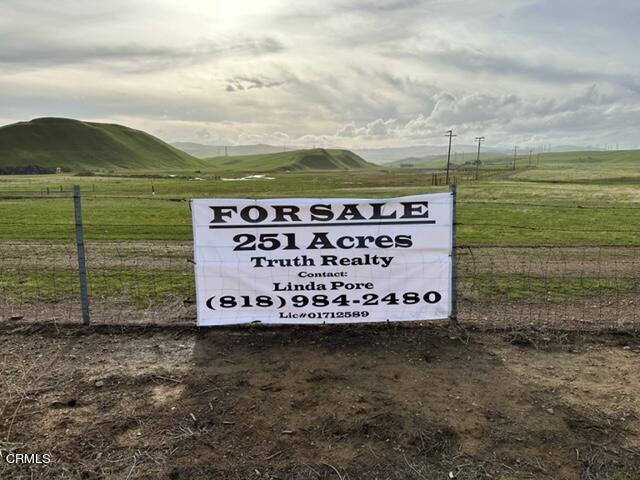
(297, 160)
(200, 150)
(561, 167)
(589, 166)
(77, 145)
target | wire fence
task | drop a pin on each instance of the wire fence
(152, 281)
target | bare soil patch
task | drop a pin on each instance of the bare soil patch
(335, 402)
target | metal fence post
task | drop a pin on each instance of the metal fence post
(82, 263)
(453, 316)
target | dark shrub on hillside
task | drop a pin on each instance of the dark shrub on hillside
(26, 170)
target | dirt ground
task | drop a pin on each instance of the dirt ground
(399, 401)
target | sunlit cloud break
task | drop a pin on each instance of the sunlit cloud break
(367, 73)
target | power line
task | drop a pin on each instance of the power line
(450, 135)
(479, 139)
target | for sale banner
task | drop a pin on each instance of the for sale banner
(335, 260)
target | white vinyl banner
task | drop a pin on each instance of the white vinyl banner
(335, 260)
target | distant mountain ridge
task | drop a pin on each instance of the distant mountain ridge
(76, 145)
(389, 155)
(394, 155)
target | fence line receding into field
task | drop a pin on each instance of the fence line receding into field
(149, 280)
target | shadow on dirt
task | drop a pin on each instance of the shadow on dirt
(373, 402)
(404, 401)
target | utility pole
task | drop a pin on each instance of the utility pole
(450, 135)
(226, 153)
(479, 139)
(515, 156)
(530, 153)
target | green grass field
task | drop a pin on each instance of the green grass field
(580, 203)
(595, 167)
(508, 207)
(600, 168)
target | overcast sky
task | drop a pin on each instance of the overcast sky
(332, 72)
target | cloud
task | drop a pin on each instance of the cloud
(137, 55)
(469, 60)
(275, 138)
(249, 83)
(506, 118)
(340, 72)
(379, 128)
(385, 6)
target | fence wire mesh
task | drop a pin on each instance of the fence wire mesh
(583, 287)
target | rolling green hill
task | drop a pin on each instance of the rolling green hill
(296, 160)
(200, 150)
(584, 167)
(561, 167)
(77, 145)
